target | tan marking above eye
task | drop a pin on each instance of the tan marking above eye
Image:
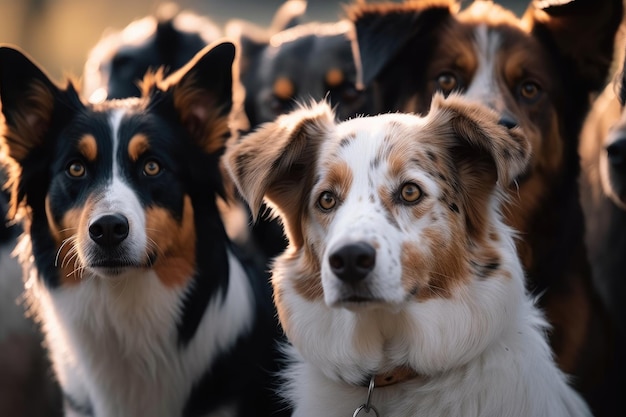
(410, 192)
(334, 77)
(137, 145)
(76, 169)
(88, 147)
(283, 88)
(326, 201)
(151, 168)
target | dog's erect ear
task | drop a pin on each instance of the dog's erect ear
(384, 29)
(583, 31)
(485, 153)
(32, 105)
(251, 41)
(203, 95)
(28, 99)
(275, 162)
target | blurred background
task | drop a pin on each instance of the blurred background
(59, 33)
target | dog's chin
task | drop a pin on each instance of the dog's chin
(357, 304)
(363, 295)
(115, 268)
(360, 303)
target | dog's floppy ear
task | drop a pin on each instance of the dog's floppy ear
(583, 31)
(384, 29)
(275, 162)
(28, 99)
(203, 95)
(481, 141)
(31, 105)
(486, 154)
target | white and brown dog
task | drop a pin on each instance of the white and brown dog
(401, 291)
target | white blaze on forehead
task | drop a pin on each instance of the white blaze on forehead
(484, 85)
(115, 120)
(118, 196)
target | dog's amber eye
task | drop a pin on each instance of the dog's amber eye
(447, 82)
(76, 169)
(410, 193)
(151, 168)
(529, 90)
(326, 201)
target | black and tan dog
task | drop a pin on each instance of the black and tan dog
(537, 72)
(309, 61)
(166, 40)
(147, 306)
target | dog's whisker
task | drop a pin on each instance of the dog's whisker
(76, 271)
(71, 251)
(69, 257)
(66, 241)
(152, 244)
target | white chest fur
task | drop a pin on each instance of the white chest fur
(115, 344)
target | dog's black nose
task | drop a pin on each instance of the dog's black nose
(352, 263)
(109, 230)
(507, 122)
(616, 153)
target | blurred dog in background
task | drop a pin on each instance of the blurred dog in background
(603, 197)
(165, 41)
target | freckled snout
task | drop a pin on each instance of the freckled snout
(352, 262)
(109, 230)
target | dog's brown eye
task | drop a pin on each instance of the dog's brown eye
(327, 200)
(447, 82)
(76, 169)
(151, 168)
(410, 192)
(529, 90)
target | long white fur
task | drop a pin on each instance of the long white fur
(480, 352)
(113, 341)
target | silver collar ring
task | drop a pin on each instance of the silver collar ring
(367, 407)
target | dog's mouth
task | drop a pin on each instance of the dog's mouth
(358, 302)
(117, 265)
(357, 299)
